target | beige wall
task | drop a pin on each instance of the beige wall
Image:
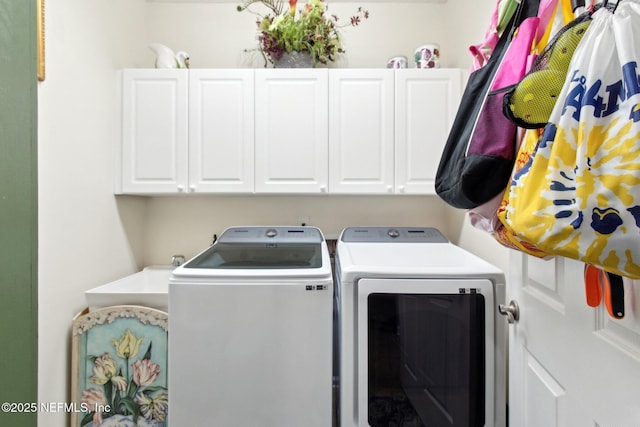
(186, 225)
(89, 237)
(82, 239)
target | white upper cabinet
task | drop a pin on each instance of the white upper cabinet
(186, 131)
(361, 120)
(221, 131)
(426, 105)
(307, 131)
(153, 156)
(291, 130)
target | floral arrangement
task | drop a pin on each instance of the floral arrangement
(125, 392)
(310, 30)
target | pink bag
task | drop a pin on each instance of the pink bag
(492, 125)
(501, 16)
(482, 51)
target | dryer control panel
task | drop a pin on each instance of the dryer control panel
(393, 234)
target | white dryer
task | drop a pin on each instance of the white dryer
(250, 338)
(421, 342)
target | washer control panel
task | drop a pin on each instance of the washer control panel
(271, 235)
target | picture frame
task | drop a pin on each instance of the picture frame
(40, 37)
(119, 367)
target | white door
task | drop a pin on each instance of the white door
(570, 364)
(153, 155)
(221, 130)
(291, 131)
(361, 130)
(426, 104)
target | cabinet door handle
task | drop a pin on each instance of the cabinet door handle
(192, 188)
(323, 189)
(181, 188)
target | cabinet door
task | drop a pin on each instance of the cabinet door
(221, 130)
(291, 130)
(154, 131)
(426, 104)
(361, 130)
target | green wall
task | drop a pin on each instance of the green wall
(18, 209)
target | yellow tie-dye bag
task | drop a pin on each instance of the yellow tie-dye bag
(579, 194)
(502, 233)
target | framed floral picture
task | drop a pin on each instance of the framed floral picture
(119, 368)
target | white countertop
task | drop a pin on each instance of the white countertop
(148, 288)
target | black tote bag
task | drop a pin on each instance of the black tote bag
(466, 181)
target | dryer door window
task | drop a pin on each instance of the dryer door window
(426, 357)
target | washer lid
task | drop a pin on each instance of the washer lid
(263, 248)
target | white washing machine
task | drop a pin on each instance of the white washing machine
(421, 342)
(250, 338)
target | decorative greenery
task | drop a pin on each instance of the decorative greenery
(311, 30)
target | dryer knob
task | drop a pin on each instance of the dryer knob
(393, 233)
(272, 232)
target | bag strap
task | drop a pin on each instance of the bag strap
(595, 280)
(506, 9)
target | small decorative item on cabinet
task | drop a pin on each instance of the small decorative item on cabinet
(119, 364)
(427, 56)
(282, 32)
(165, 58)
(397, 62)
